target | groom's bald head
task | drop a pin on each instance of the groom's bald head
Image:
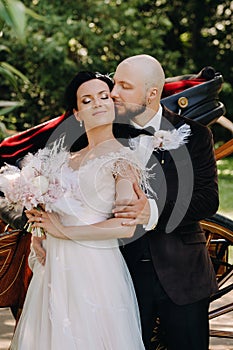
(139, 82)
(148, 70)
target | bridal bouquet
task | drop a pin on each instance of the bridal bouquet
(38, 183)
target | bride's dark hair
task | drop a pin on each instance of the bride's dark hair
(77, 81)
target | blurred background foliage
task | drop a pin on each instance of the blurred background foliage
(225, 175)
(44, 43)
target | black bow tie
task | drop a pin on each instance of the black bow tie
(144, 131)
(147, 131)
(126, 131)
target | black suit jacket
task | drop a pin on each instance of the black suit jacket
(187, 191)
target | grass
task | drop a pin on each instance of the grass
(225, 181)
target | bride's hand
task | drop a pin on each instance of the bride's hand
(48, 221)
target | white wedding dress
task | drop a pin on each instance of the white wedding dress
(83, 298)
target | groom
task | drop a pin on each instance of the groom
(170, 266)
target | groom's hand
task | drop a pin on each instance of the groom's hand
(36, 243)
(138, 210)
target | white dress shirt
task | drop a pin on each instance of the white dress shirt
(155, 122)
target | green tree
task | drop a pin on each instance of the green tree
(97, 34)
(202, 32)
(12, 14)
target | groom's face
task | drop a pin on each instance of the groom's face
(129, 93)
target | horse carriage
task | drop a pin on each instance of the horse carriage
(193, 96)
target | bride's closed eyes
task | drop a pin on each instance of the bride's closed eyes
(102, 95)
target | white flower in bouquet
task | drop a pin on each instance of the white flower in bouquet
(39, 182)
(10, 183)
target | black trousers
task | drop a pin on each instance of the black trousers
(184, 327)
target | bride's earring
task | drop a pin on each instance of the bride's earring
(81, 123)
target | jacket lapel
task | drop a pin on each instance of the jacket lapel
(169, 121)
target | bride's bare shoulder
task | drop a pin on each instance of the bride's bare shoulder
(106, 148)
(76, 158)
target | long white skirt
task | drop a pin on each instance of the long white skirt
(82, 299)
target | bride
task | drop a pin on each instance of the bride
(83, 298)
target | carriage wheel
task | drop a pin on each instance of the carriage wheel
(219, 234)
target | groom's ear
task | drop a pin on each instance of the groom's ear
(152, 94)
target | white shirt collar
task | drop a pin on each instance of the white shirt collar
(155, 121)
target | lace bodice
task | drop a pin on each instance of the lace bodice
(91, 188)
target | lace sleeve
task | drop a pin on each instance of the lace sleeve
(126, 169)
(129, 167)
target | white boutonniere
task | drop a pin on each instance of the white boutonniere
(166, 140)
(163, 140)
